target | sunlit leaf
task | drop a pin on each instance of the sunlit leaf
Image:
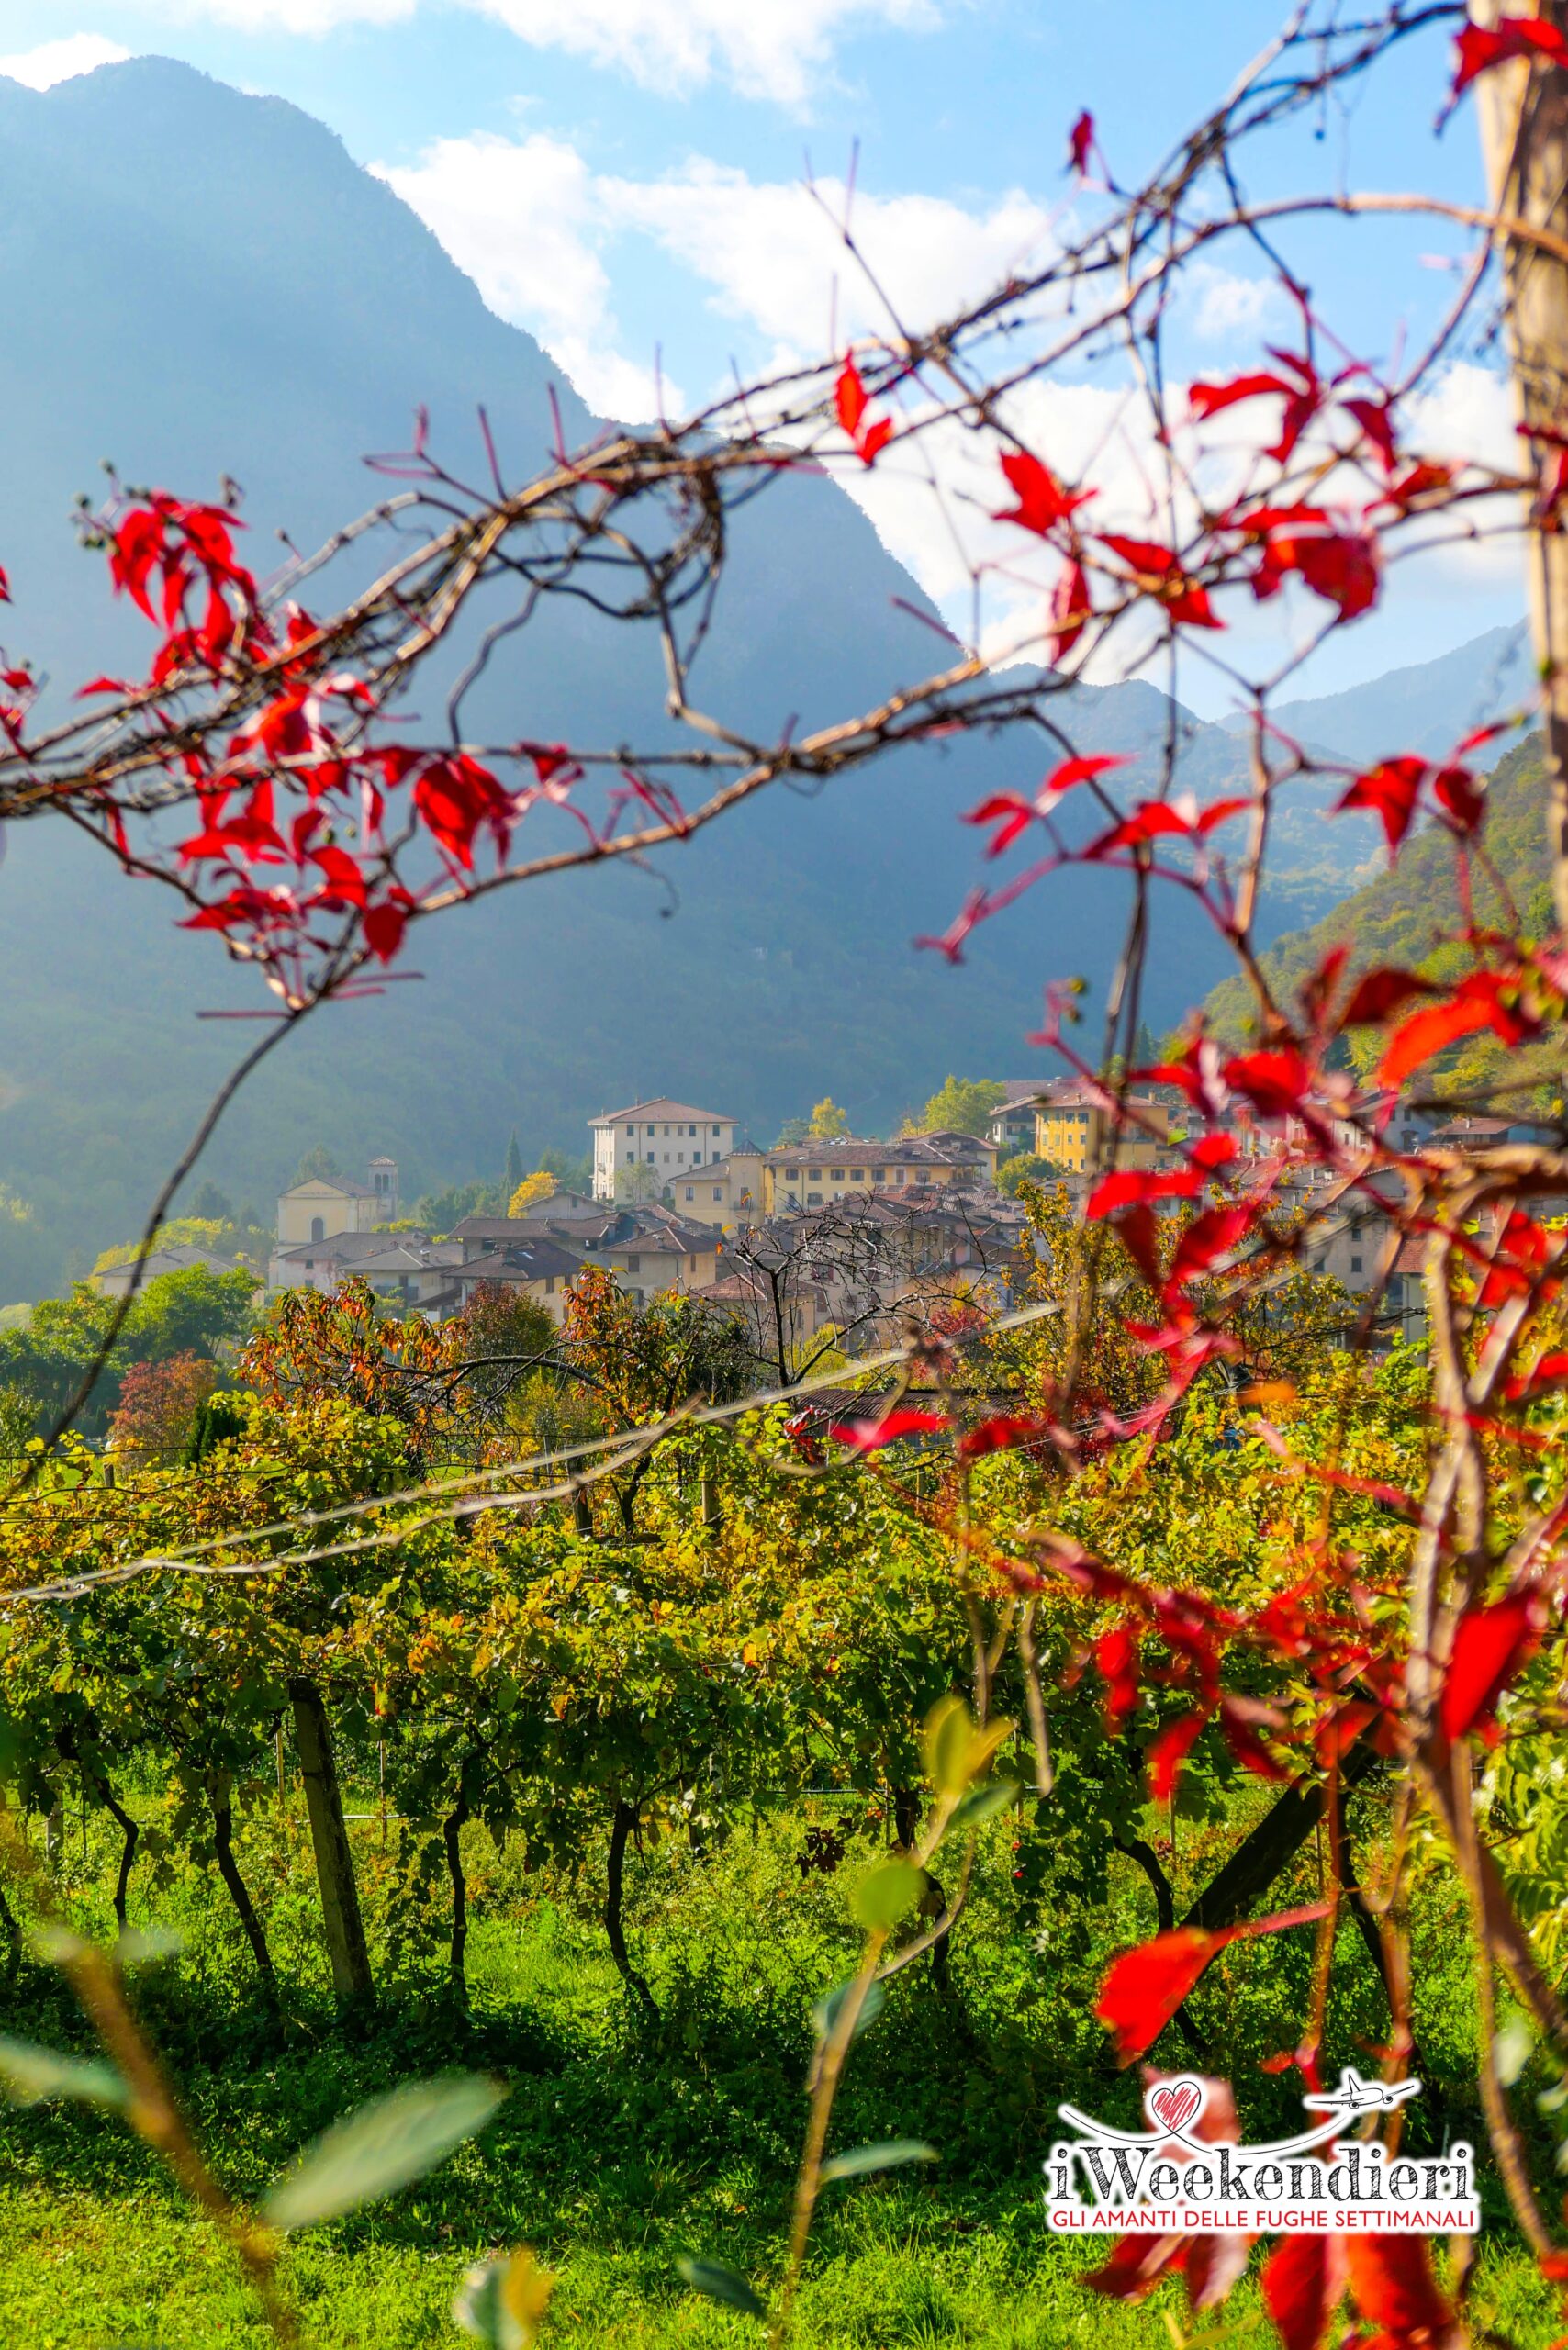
(825, 2014)
(720, 2284)
(887, 2155)
(30, 2073)
(982, 1804)
(887, 1893)
(381, 2148)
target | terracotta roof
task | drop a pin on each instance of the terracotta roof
(663, 1112)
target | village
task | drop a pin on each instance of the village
(848, 1235)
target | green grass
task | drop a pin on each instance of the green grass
(622, 2146)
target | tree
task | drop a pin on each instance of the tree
(208, 1205)
(1024, 1167)
(793, 1130)
(530, 1190)
(827, 1121)
(637, 1183)
(514, 1164)
(963, 1106)
(440, 1212)
(317, 1163)
(159, 1405)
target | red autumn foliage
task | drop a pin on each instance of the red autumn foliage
(1491, 1647)
(1144, 1988)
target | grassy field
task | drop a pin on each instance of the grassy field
(624, 2145)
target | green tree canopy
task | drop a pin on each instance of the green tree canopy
(964, 1106)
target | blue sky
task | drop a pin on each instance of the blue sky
(624, 177)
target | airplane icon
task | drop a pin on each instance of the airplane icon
(1356, 2096)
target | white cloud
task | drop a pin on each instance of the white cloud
(765, 49)
(57, 61)
(523, 218)
(774, 256)
(773, 49)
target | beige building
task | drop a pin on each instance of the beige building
(325, 1205)
(669, 1137)
(813, 1174)
(728, 1195)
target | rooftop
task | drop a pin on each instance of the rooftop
(663, 1112)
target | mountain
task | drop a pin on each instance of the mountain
(197, 282)
(1407, 914)
(1427, 709)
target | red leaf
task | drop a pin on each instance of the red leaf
(1391, 788)
(1458, 793)
(999, 1434)
(1425, 1033)
(1042, 502)
(1135, 2266)
(849, 398)
(1167, 1753)
(1303, 2283)
(1159, 572)
(1550, 1371)
(1070, 608)
(1480, 47)
(1246, 1746)
(1144, 1987)
(345, 882)
(1209, 1236)
(1491, 1646)
(385, 924)
(5, 588)
(1130, 1186)
(1394, 2287)
(1376, 420)
(1079, 147)
(869, 1435)
(1010, 814)
(1115, 1653)
(1378, 993)
(1210, 399)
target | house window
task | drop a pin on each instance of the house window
(318, 1228)
(898, 1175)
(813, 1174)
(791, 1174)
(1355, 1264)
(549, 1285)
(880, 1175)
(690, 1192)
(716, 1130)
(692, 1130)
(718, 1192)
(634, 1264)
(697, 1159)
(813, 1199)
(858, 1174)
(691, 1264)
(652, 1157)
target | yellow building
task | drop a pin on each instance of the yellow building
(814, 1174)
(729, 1195)
(1075, 1132)
(325, 1205)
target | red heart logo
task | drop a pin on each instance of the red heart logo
(1175, 2102)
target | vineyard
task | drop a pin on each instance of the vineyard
(583, 1770)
